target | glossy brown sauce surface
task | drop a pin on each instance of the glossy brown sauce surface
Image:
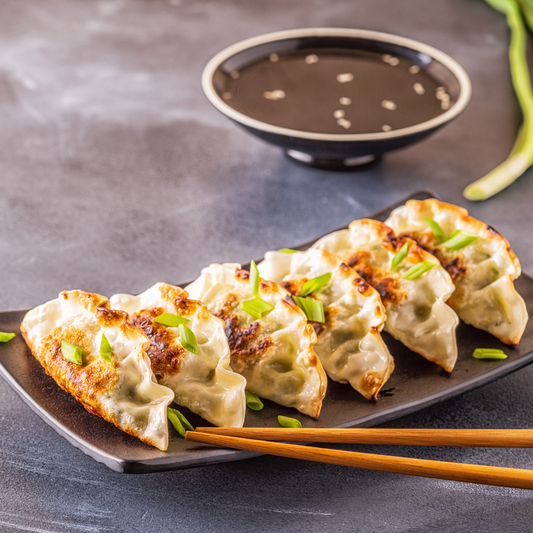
(341, 92)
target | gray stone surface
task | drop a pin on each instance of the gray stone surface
(115, 172)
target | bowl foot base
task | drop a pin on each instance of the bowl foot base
(348, 163)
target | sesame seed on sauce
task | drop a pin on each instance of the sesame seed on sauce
(388, 104)
(345, 78)
(419, 88)
(274, 95)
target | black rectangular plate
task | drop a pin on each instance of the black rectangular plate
(414, 384)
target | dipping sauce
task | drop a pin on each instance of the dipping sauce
(335, 91)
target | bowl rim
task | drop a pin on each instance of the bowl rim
(450, 63)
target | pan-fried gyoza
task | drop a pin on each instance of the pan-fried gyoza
(273, 349)
(202, 381)
(66, 336)
(479, 260)
(413, 292)
(349, 344)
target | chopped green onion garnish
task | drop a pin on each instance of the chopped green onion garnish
(188, 339)
(168, 319)
(256, 307)
(419, 269)
(313, 309)
(288, 251)
(105, 349)
(288, 422)
(180, 423)
(253, 401)
(72, 353)
(459, 240)
(400, 256)
(489, 353)
(436, 229)
(315, 284)
(254, 279)
(4, 337)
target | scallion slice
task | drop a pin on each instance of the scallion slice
(256, 307)
(416, 271)
(313, 309)
(168, 319)
(253, 401)
(188, 339)
(315, 284)
(288, 251)
(254, 279)
(72, 353)
(436, 229)
(459, 240)
(489, 353)
(105, 349)
(288, 422)
(4, 337)
(400, 256)
(180, 423)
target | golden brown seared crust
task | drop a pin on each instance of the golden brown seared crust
(383, 280)
(373, 382)
(180, 298)
(473, 224)
(95, 377)
(165, 355)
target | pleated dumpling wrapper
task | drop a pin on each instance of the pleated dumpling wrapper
(349, 343)
(414, 296)
(479, 260)
(275, 352)
(123, 391)
(202, 382)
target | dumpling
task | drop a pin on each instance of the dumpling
(203, 382)
(482, 271)
(275, 352)
(417, 314)
(349, 343)
(122, 391)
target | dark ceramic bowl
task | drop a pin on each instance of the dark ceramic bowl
(336, 150)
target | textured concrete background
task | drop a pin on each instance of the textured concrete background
(115, 173)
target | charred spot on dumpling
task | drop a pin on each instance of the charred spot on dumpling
(318, 327)
(256, 349)
(368, 273)
(294, 286)
(242, 274)
(165, 355)
(392, 242)
(362, 286)
(110, 317)
(357, 259)
(455, 268)
(493, 230)
(184, 306)
(237, 337)
(229, 304)
(388, 290)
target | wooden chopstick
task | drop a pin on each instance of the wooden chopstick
(488, 475)
(497, 438)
